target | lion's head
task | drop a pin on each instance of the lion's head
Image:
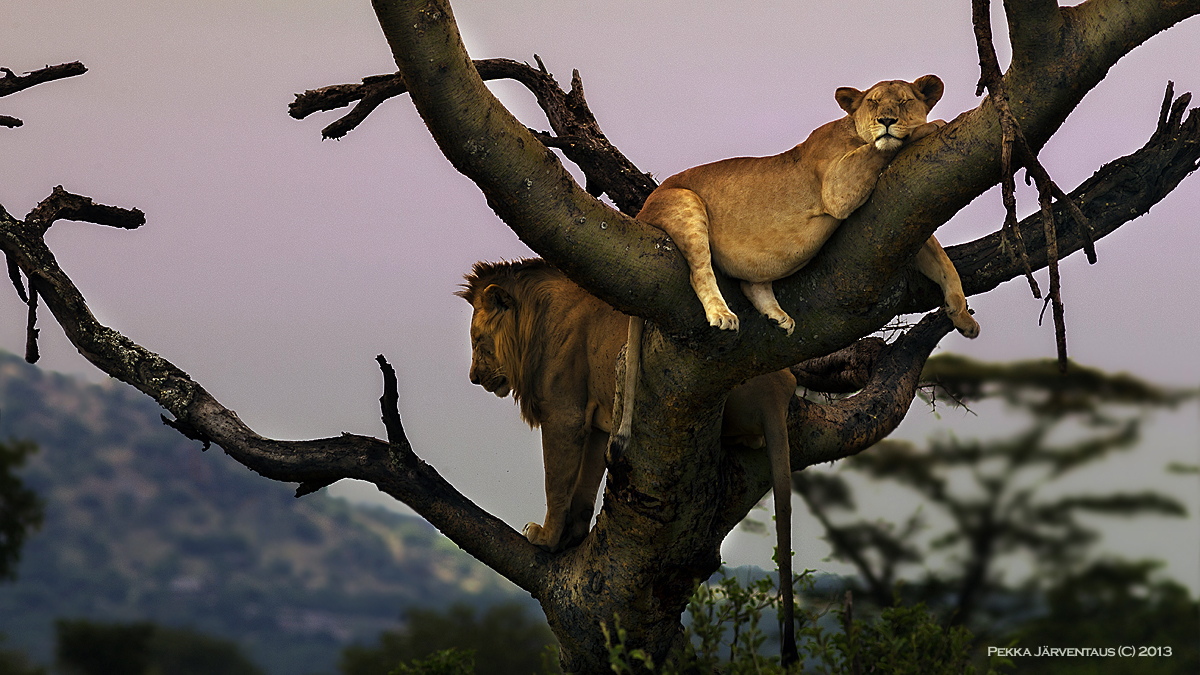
(509, 300)
(888, 112)
(492, 325)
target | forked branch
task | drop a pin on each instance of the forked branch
(575, 129)
(392, 466)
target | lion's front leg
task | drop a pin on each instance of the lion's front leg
(935, 264)
(562, 456)
(849, 180)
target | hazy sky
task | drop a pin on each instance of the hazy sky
(274, 266)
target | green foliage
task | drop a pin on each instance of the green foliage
(725, 637)
(92, 648)
(997, 495)
(503, 641)
(17, 663)
(1113, 603)
(20, 507)
(444, 662)
(88, 648)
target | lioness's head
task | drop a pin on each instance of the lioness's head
(492, 328)
(888, 112)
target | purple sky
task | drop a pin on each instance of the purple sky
(274, 266)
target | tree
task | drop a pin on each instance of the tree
(20, 507)
(504, 640)
(1000, 497)
(673, 496)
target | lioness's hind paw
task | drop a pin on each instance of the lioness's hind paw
(724, 321)
(787, 323)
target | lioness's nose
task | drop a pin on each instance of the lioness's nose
(474, 377)
(887, 121)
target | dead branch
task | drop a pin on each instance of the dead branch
(1118, 192)
(198, 415)
(991, 79)
(11, 83)
(575, 129)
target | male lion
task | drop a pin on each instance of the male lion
(554, 346)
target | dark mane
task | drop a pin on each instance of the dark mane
(532, 282)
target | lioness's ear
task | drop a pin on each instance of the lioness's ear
(848, 98)
(931, 89)
(496, 299)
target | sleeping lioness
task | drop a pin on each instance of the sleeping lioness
(760, 219)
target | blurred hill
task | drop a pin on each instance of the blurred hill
(142, 525)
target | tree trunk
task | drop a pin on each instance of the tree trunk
(671, 498)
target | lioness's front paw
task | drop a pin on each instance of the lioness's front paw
(965, 323)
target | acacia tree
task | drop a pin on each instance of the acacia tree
(675, 493)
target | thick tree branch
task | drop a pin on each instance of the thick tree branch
(393, 467)
(853, 287)
(1118, 192)
(827, 432)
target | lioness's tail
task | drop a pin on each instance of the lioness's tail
(633, 363)
(778, 450)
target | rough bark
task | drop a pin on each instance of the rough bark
(673, 496)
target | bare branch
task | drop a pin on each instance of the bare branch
(577, 133)
(312, 464)
(63, 205)
(11, 83)
(1118, 192)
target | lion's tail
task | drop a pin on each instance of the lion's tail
(619, 442)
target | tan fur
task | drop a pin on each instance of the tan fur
(759, 219)
(561, 369)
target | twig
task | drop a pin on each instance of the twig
(31, 333)
(991, 78)
(575, 129)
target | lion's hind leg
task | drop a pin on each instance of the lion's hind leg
(762, 296)
(683, 215)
